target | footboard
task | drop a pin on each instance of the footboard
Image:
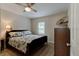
(36, 44)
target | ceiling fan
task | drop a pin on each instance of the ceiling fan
(28, 7)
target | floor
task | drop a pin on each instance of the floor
(47, 50)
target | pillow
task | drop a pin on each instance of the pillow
(16, 34)
(27, 32)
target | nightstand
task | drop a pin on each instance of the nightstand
(1, 44)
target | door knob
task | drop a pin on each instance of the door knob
(67, 44)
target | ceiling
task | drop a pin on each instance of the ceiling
(43, 9)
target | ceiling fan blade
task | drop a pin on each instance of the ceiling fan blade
(30, 4)
(34, 10)
(20, 4)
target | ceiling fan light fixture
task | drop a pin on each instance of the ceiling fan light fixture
(28, 9)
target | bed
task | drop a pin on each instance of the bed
(25, 43)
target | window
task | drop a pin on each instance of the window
(41, 27)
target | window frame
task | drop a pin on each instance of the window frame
(41, 25)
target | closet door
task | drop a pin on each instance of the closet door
(62, 42)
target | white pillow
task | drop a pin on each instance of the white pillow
(27, 32)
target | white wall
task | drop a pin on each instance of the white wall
(50, 24)
(16, 21)
(0, 20)
(0, 28)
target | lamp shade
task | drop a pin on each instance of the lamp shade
(8, 28)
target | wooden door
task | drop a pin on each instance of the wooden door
(62, 41)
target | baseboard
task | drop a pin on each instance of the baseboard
(50, 42)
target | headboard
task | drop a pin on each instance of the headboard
(17, 30)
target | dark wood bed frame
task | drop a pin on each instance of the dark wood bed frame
(31, 47)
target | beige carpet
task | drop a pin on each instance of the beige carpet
(47, 50)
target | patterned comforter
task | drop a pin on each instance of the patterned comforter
(20, 43)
